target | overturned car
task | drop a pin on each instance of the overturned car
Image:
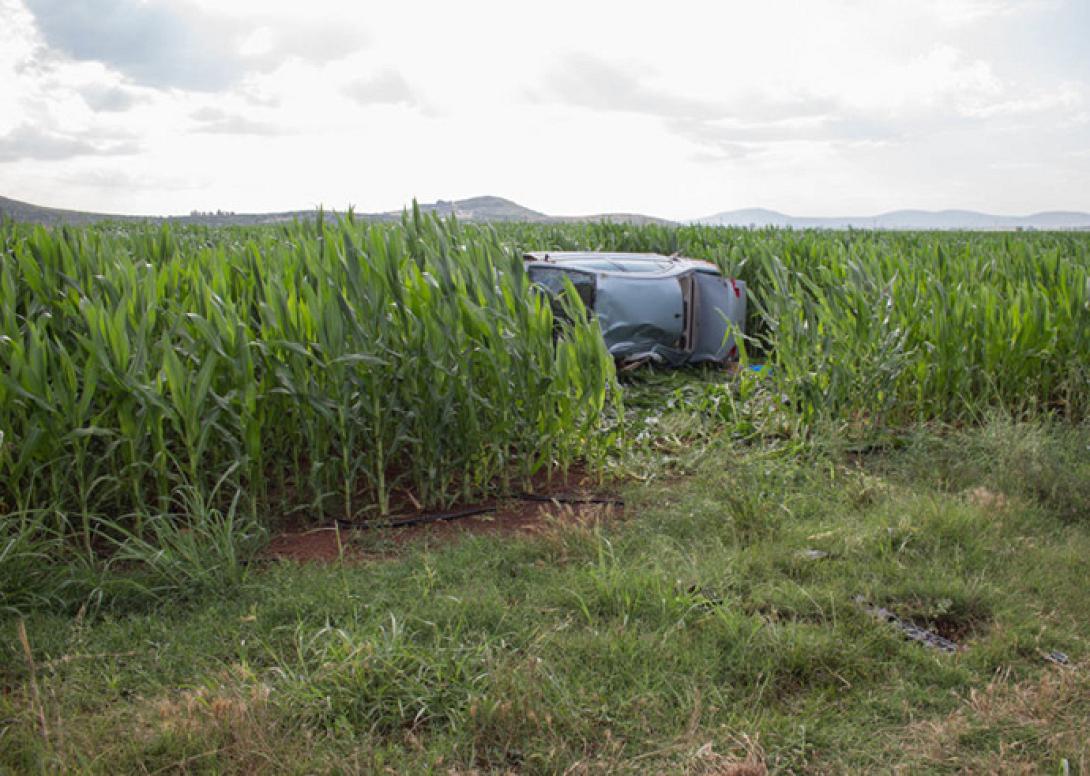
(665, 310)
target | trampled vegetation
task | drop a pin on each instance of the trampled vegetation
(895, 327)
(170, 396)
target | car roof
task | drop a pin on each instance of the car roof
(612, 262)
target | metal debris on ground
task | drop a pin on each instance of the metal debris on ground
(910, 630)
(1057, 657)
(708, 598)
(815, 554)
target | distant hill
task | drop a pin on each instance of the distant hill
(617, 218)
(24, 211)
(49, 216)
(491, 209)
(903, 219)
(477, 209)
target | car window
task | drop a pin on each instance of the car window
(551, 280)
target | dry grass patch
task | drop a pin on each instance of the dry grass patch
(988, 500)
(746, 758)
(1009, 727)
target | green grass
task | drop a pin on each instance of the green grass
(692, 634)
(169, 397)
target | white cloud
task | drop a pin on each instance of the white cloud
(179, 44)
(105, 98)
(824, 107)
(387, 87)
(28, 142)
(969, 12)
(1067, 98)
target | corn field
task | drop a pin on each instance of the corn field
(318, 368)
(338, 369)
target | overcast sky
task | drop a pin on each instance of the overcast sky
(677, 109)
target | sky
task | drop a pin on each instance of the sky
(676, 109)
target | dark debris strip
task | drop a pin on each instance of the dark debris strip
(910, 630)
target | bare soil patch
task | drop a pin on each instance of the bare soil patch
(572, 501)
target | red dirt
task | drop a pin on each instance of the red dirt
(511, 516)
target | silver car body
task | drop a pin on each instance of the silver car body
(665, 309)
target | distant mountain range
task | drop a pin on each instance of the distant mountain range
(497, 209)
(479, 209)
(903, 219)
